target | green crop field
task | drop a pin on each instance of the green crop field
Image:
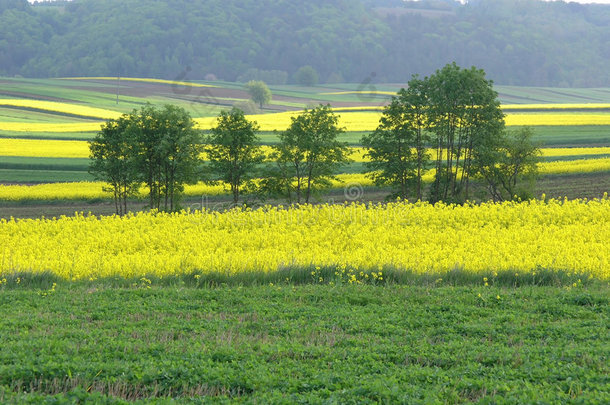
(106, 343)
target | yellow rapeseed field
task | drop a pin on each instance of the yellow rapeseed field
(87, 190)
(83, 190)
(564, 106)
(80, 149)
(558, 152)
(43, 148)
(518, 237)
(353, 120)
(357, 154)
(50, 127)
(66, 108)
(362, 121)
(575, 166)
(143, 80)
(567, 119)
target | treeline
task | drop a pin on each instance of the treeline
(454, 112)
(525, 42)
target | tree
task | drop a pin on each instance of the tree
(397, 148)
(111, 153)
(306, 76)
(509, 165)
(464, 112)
(167, 152)
(309, 153)
(259, 92)
(180, 150)
(233, 150)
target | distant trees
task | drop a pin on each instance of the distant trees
(156, 147)
(306, 76)
(233, 151)
(247, 106)
(515, 41)
(268, 76)
(259, 92)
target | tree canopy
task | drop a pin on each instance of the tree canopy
(112, 161)
(157, 147)
(233, 151)
(456, 111)
(259, 92)
(397, 148)
(309, 153)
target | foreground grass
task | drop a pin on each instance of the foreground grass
(104, 343)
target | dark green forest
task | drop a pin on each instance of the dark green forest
(517, 42)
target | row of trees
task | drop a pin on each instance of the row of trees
(304, 161)
(161, 150)
(450, 122)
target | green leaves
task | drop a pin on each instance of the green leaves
(233, 150)
(112, 161)
(309, 152)
(304, 344)
(464, 113)
(397, 148)
(509, 164)
(259, 92)
(157, 147)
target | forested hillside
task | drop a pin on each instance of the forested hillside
(518, 42)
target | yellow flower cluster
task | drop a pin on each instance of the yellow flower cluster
(557, 235)
(66, 108)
